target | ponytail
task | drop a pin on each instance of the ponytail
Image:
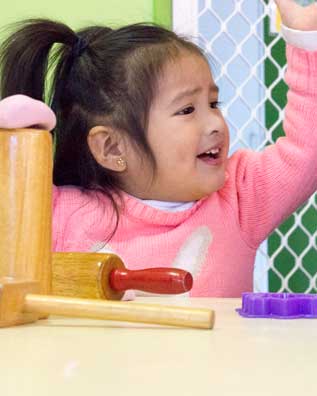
(24, 56)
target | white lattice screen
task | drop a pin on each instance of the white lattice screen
(248, 64)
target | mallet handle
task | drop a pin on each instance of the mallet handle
(120, 311)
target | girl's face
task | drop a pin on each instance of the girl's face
(187, 134)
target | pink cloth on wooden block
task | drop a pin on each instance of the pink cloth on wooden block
(21, 111)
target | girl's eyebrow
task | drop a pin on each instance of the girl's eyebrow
(192, 91)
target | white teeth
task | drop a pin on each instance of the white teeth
(213, 151)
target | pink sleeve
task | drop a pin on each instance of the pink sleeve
(272, 184)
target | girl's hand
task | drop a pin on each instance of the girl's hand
(296, 16)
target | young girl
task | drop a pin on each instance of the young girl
(141, 163)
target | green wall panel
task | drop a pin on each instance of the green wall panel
(79, 13)
(162, 12)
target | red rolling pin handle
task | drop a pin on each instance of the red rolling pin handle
(152, 280)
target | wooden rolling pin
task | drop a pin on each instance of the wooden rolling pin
(104, 276)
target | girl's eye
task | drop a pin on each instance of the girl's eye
(215, 105)
(187, 110)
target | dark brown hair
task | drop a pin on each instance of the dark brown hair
(100, 76)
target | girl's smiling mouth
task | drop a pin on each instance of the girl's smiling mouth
(211, 156)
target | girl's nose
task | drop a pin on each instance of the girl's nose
(213, 122)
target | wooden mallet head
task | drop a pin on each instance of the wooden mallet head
(25, 207)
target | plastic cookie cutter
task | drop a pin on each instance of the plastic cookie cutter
(278, 305)
(305, 3)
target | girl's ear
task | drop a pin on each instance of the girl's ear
(108, 148)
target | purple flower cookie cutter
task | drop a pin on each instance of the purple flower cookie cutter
(278, 305)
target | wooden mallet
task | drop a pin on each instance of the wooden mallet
(25, 235)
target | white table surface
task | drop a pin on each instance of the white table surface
(66, 356)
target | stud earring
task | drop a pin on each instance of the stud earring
(121, 162)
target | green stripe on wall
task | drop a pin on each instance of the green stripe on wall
(162, 12)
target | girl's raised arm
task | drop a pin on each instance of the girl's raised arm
(272, 184)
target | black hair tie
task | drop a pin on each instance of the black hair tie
(79, 47)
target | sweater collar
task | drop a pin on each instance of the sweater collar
(140, 210)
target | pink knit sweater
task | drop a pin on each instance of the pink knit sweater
(217, 238)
